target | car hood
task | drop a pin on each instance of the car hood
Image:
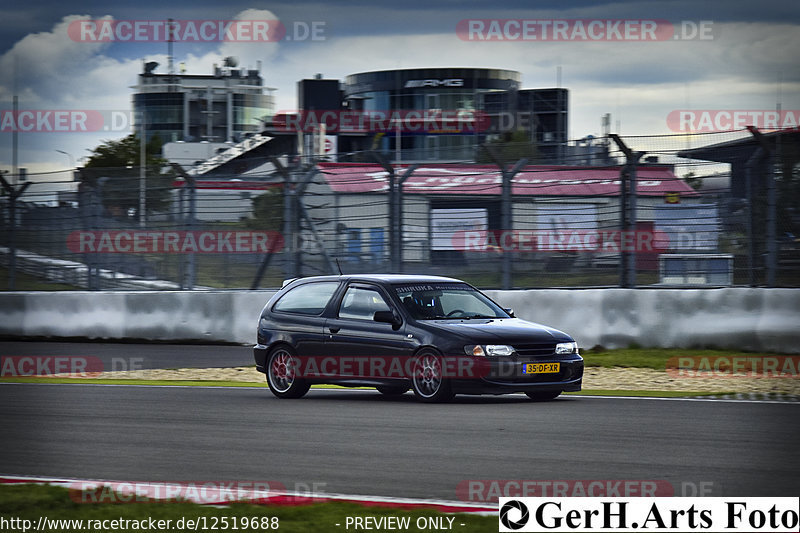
(495, 330)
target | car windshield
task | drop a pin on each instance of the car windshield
(429, 301)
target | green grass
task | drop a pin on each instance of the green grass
(30, 502)
(654, 358)
(26, 282)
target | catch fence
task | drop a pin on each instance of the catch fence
(704, 210)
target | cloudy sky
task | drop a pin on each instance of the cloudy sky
(748, 59)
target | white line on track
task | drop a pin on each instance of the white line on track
(577, 396)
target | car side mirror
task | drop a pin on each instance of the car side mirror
(510, 312)
(388, 317)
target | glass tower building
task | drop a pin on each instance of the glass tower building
(453, 90)
(224, 106)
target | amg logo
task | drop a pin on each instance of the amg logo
(453, 82)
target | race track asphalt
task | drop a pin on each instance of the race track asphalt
(137, 356)
(359, 442)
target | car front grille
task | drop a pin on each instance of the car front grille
(535, 350)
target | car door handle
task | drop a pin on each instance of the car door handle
(334, 330)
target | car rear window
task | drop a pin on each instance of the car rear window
(307, 299)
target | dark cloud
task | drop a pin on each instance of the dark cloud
(367, 17)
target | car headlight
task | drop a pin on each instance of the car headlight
(489, 349)
(566, 348)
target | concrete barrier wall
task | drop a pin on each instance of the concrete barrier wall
(731, 318)
(734, 318)
(214, 316)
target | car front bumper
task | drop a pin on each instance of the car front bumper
(506, 376)
(499, 387)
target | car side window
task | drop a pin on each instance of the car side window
(361, 303)
(307, 299)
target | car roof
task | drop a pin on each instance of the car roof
(383, 278)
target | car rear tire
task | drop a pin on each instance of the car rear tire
(389, 390)
(427, 378)
(542, 396)
(282, 379)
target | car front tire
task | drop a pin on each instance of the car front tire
(389, 390)
(428, 380)
(282, 366)
(542, 396)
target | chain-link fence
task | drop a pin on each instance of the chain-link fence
(660, 211)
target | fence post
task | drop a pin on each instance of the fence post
(180, 258)
(95, 281)
(395, 211)
(751, 244)
(393, 247)
(292, 190)
(191, 273)
(772, 243)
(627, 184)
(86, 194)
(763, 155)
(399, 217)
(393, 218)
(300, 211)
(317, 238)
(506, 222)
(262, 268)
(189, 277)
(506, 218)
(13, 194)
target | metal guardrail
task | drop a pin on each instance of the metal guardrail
(77, 274)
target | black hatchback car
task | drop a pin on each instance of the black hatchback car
(438, 336)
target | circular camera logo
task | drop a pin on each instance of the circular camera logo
(523, 514)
